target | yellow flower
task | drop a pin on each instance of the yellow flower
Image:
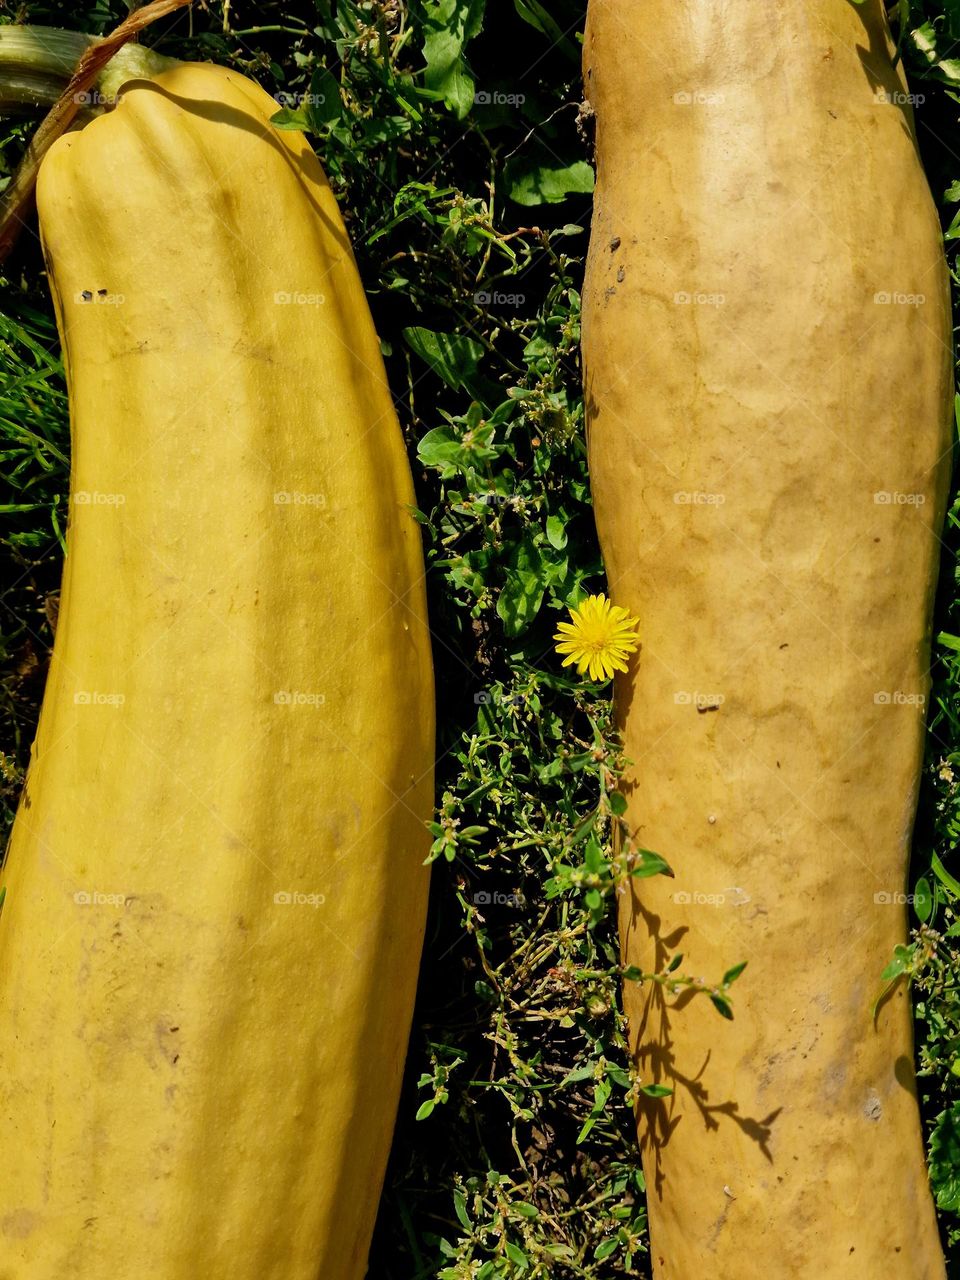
(599, 637)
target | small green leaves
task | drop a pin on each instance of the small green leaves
(904, 960)
(722, 1005)
(451, 356)
(923, 902)
(647, 863)
(449, 26)
(618, 804)
(945, 1159)
(546, 184)
(733, 974)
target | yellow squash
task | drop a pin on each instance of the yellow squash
(215, 891)
(768, 365)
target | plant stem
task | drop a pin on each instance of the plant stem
(39, 61)
(107, 63)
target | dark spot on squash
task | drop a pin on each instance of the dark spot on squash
(614, 244)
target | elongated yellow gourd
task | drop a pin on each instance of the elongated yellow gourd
(768, 376)
(215, 891)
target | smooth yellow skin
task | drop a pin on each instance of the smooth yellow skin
(195, 1079)
(791, 1146)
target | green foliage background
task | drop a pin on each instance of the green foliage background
(453, 134)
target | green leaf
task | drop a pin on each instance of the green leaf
(651, 864)
(556, 532)
(618, 803)
(722, 1005)
(522, 595)
(605, 1248)
(324, 105)
(451, 356)
(656, 1090)
(944, 876)
(460, 1206)
(923, 900)
(426, 1109)
(438, 446)
(449, 27)
(516, 1255)
(542, 184)
(525, 1210)
(532, 11)
(945, 1159)
(287, 118)
(902, 959)
(593, 858)
(733, 974)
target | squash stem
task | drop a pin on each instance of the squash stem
(36, 63)
(92, 70)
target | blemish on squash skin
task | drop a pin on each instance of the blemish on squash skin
(20, 1224)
